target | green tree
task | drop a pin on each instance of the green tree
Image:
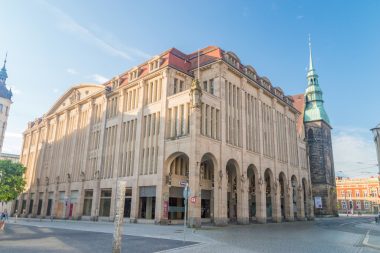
(12, 182)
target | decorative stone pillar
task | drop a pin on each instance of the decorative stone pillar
(194, 209)
(96, 198)
(261, 214)
(243, 209)
(220, 199)
(80, 200)
(300, 203)
(46, 198)
(289, 203)
(276, 201)
(134, 204)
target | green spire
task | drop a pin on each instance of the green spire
(314, 109)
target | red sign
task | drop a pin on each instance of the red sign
(193, 199)
(166, 204)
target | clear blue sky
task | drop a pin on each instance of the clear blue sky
(53, 45)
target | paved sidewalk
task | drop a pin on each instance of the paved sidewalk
(372, 238)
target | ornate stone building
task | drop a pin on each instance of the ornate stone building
(202, 118)
(5, 102)
(316, 125)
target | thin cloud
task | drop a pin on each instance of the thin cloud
(13, 135)
(354, 153)
(300, 17)
(99, 78)
(71, 71)
(69, 24)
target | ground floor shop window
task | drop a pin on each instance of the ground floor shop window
(87, 203)
(31, 202)
(39, 208)
(147, 203)
(205, 210)
(176, 208)
(105, 202)
(127, 202)
(366, 204)
(50, 204)
(344, 205)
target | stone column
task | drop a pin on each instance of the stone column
(289, 202)
(134, 204)
(300, 203)
(220, 185)
(96, 198)
(261, 212)
(276, 202)
(243, 208)
(80, 200)
(45, 200)
(194, 209)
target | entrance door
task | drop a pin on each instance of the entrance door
(50, 203)
(127, 207)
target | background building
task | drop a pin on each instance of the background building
(358, 195)
(5, 102)
(207, 120)
(5, 156)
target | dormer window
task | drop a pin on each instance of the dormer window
(154, 64)
(133, 74)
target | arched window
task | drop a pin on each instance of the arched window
(310, 134)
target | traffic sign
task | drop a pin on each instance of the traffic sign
(186, 192)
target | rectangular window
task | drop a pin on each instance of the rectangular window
(87, 204)
(211, 81)
(358, 205)
(105, 202)
(205, 85)
(344, 205)
(181, 88)
(175, 85)
(366, 204)
(365, 194)
(357, 193)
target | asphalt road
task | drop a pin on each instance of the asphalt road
(24, 239)
(343, 234)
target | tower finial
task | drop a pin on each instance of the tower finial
(5, 60)
(311, 57)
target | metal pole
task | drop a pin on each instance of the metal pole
(184, 222)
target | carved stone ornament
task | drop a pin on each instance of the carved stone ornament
(75, 97)
(46, 180)
(220, 179)
(195, 94)
(82, 176)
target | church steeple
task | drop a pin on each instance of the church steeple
(314, 109)
(4, 92)
(3, 71)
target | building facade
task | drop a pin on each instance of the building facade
(358, 195)
(316, 126)
(14, 158)
(5, 103)
(202, 118)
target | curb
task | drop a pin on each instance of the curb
(366, 243)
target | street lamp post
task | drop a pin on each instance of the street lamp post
(376, 138)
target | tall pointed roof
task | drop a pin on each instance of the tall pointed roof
(3, 71)
(314, 109)
(4, 92)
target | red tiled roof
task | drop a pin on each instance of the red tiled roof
(299, 104)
